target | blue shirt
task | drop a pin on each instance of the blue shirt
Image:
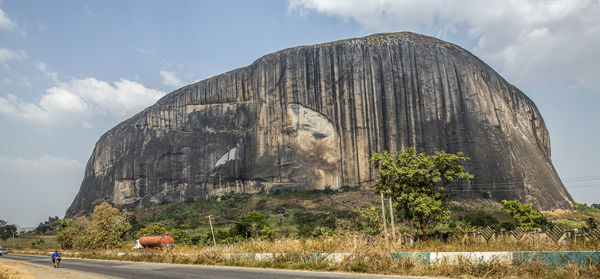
(55, 254)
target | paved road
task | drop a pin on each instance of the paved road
(120, 269)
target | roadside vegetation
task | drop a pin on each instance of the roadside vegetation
(345, 220)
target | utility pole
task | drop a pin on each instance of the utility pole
(212, 232)
(385, 233)
(392, 219)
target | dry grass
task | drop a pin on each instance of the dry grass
(580, 213)
(377, 244)
(367, 261)
(37, 241)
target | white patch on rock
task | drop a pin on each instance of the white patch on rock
(313, 136)
(232, 154)
(314, 122)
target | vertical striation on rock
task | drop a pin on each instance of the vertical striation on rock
(310, 117)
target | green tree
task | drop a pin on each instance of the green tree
(524, 214)
(107, 229)
(72, 233)
(416, 183)
(7, 231)
(253, 224)
(109, 226)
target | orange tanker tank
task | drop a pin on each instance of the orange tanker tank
(152, 241)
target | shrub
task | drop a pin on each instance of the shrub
(525, 215)
(153, 229)
(591, 224)
(508, 225)
(369, 220)
(253, 224)
(311, 224)
(360, 266)
(480, 219)
(181, 236)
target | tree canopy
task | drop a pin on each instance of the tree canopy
(108, 228)
(416, 183)
(7, 230)
(524, 214)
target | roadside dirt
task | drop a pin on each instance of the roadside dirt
(13, 269)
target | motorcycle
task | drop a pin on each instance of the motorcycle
(56, 262)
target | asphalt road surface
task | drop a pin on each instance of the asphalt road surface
(121, 269)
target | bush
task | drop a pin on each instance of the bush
(481, 219)
(509, 225)
(591, 224)
(360, 267)
(369, 220)
(254, 225)
(153, 229)
(310, 224)
(181, 236)
(525, 215)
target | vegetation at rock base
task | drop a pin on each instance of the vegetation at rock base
(351, 224)
(309, 214)
(416, 183)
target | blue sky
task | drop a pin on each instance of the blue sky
(70, 70)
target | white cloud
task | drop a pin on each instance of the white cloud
(529, 40)
(144, 51)
(5, 22)
(170, 79)
(43, 67)
(77, 101)
(7, 54)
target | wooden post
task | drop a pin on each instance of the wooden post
(385, 233)
(212, 232)
(392, 220)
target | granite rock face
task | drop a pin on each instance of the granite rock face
(310, 117)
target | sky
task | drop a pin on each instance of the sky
(71, 70)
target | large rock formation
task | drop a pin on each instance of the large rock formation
(310, 117)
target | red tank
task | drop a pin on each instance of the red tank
(151, 241)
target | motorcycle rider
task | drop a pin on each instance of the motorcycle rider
(55, 258)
